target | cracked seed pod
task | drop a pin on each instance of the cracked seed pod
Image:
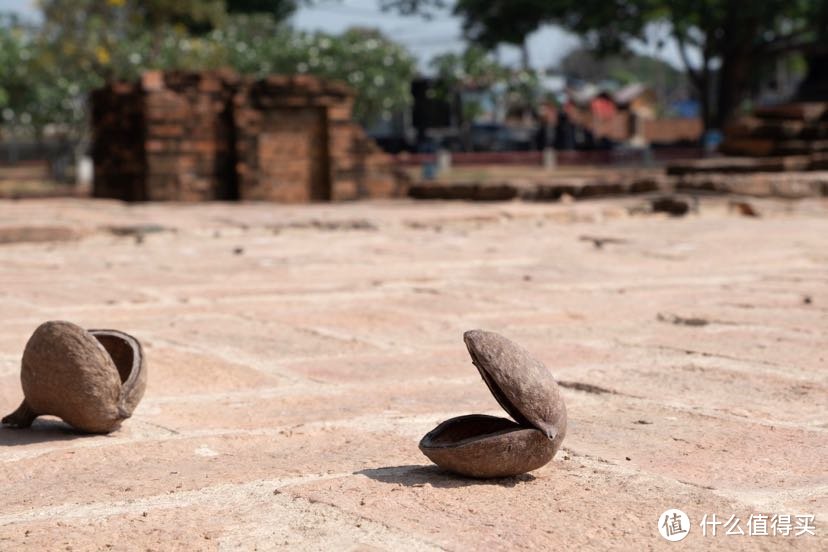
(487, 446)
(93, 380)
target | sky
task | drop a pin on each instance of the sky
(424, 39)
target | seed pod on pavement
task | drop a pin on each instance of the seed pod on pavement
(488, 446)
(92, 380)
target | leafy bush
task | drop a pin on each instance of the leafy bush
(47, 71)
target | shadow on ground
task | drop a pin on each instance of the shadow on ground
(41, 431)
(419, 476)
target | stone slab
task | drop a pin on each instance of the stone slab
(298, 353)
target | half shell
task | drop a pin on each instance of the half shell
(93, 380)
(520, 383)
(486, 446)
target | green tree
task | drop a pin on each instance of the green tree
(12, 44)
(476, 70)
(89, 34)
(474, 67)
(278, 9)
(33, 93)
(15, 83)
(815, 85)
(733, 39)
(734, 42)
(379, 69)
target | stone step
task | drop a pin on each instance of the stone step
(741, 165)
(763, 147)
(803, 111)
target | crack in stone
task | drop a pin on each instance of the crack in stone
(589, 388)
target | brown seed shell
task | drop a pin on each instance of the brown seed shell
(128, 356)
(486, 446)
(91, 380)
(520, 383)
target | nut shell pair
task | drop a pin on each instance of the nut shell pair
(93, 380)
(487, 446)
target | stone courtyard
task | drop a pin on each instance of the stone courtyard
(298, 353)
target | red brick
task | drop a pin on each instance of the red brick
(172, 132)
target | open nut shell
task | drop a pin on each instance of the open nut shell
(128, 356)
(91, 379)
(520, 383)
(486, 446)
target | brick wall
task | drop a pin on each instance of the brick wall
(672, 130)
(619, 127)
(196, 136)
(189, 129)
(283, 138)
(360, 168)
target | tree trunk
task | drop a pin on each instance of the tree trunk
(524, 55)
(699, 78)
(704, 104)
(733, 76)
(815, 86)
(741, 29)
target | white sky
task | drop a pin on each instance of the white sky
(424, 39)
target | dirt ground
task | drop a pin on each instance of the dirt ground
(298, 354)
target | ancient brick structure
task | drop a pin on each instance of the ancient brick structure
(784, 138)
(196, 136)
(788, 138)
(787, 129)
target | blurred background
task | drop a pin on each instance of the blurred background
(514, 77)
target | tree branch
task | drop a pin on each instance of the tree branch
(781, 47)
(682, 47)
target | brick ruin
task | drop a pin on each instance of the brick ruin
(198, 136)
(777, 131)
(781, 138)
(779, 150)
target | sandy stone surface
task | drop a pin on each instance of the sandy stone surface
(297, 355)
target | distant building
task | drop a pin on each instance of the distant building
(565, 115)
(636, 98)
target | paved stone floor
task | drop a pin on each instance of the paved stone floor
(297, 355)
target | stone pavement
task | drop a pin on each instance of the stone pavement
(297, 355)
